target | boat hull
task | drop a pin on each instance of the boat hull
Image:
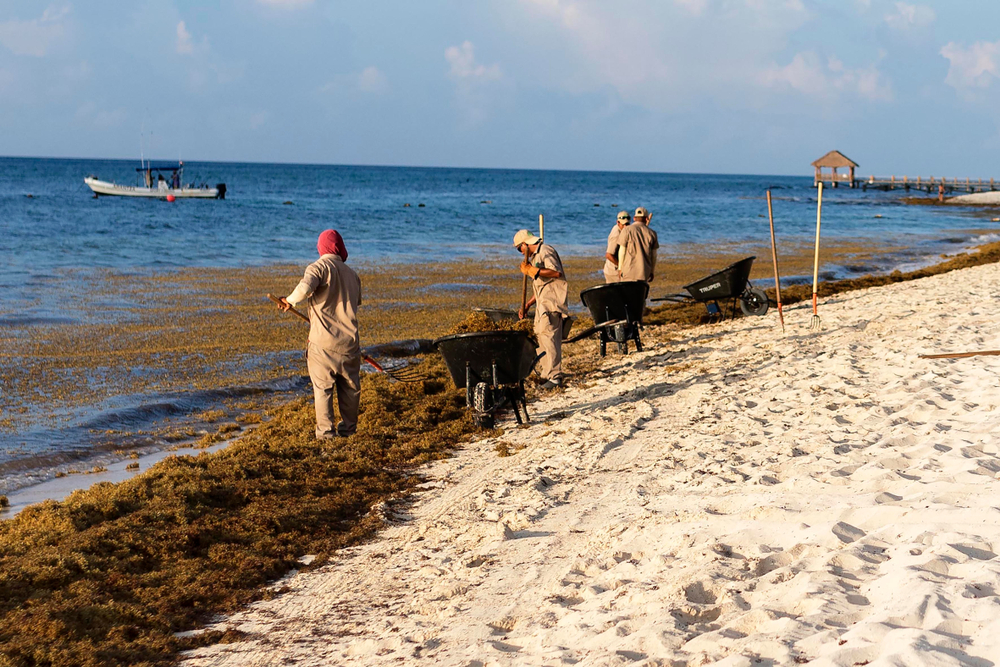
(106, 189)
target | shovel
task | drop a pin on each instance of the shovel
(402, 374)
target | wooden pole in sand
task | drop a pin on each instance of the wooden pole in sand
(774, 259)
(541, 226)
(815, 324)
(961, 355)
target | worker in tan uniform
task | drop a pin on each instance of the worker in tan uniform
(637, 246)
(550, 298)
(333, 292)
(611, 274)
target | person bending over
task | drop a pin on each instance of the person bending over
(550, 298)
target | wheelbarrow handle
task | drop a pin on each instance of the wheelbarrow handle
(673, 298)
(587, 333)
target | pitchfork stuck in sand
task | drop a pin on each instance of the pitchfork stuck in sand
(401, 373)
(816, 323)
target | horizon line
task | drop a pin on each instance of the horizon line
(408, 166)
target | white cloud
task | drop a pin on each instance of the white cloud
(285, 4)
(909, 16)
(372, 80)
(185, 44)
(258, 119)
(101, 118)
(657, 55)
(478, 88)
(807, 74)
(696, 7)
(463, 63)
(36, 36)
(972, 67)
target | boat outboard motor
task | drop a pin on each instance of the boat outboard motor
(222, 190)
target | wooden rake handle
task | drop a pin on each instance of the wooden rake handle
(402, 376)
(292, 309)
(524, 287)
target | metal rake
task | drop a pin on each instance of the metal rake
(401, 372)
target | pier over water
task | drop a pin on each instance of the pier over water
(835, 161)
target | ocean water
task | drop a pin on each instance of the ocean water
(467, 212)
(52, 229)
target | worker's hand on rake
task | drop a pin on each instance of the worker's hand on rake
(283, 305)
(523, 312)
(528, 270)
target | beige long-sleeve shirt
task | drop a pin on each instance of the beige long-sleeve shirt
(610, 268)
(333, 291)
(637, 255)
(551, 294)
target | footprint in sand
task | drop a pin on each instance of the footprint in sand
(978, 591)
(847, 533)
(700, 592)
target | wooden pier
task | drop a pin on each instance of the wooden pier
(928, 184)
(835, 160)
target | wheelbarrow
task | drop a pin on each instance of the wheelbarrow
(491, 366)
(617, 312)
(731, 284)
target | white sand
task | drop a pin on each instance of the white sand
(991, 198)
(736, 497)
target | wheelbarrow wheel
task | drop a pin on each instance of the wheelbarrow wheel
(754, 302)
(482, 406)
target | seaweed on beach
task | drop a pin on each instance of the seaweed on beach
(108, 576)
(479, 321)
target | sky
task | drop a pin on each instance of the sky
(710, 86)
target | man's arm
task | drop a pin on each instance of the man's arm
(304, 289)
(527, 306)
(538, 272)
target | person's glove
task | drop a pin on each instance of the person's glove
(528, 270)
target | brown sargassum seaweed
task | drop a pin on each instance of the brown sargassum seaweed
(109, 575)
(478, 321)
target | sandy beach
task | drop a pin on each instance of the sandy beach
(732, 495)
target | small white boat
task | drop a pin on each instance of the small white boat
(158, 188)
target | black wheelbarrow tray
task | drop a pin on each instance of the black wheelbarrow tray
(616, 309)
(491, 366)
(730, 284)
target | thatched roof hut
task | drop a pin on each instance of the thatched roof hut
(833, 161)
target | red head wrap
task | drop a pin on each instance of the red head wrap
(331, 243)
